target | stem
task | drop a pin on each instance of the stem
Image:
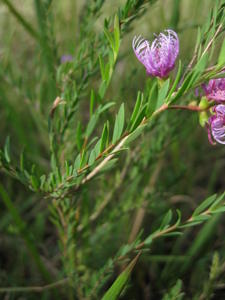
(37, 289)
(188, 107)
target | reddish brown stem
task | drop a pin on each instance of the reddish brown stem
(188, 107)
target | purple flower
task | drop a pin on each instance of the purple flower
(216, 125)
(160, 56)
(65, 58)
(215, 89)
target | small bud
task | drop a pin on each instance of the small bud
(203, 118)
(204, 103)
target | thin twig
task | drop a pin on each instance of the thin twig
(37, 289)
(212, 39)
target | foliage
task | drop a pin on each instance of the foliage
(107, 179)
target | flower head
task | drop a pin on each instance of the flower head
(215, 89)
(216, 125)
(65, 58)
(158, 57)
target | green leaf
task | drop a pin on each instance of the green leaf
(115, 290)
(162, 93)
(201, 64)
(201, 218)
(104, 137)
(221, 59)
(94, 153)
(119, 124)
(22, 161)
(176, 81)
(105, 107)
(218, 201)
(218, 210)
(84, 158)
(166, 220)
(94, 118)
(132, 136)
(139, 118)
(109, 38)
(152, 99)
(79, 136)
(175, 293)
(92, 101)
(34, 182)
(206, 203)
(7, 149)
(178, 217)
(174, 233)
(92, 157)
(77, 162)
(136, 109)
(102, 67)
(116, 33)
(91, 125)
(183, 87)
(42, 181)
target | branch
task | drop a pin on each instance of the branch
(118, 146)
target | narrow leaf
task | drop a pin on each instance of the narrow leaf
(162, 93)
(204, 205)
(7, 149)
(221, 59)
(119, 124)
(176, 81)
(115, 290)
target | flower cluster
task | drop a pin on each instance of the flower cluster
(215, 90)
(160, 56)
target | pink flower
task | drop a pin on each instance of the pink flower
(160, 56)
(215, 89)
(216, 125)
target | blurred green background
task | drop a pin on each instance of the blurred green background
(189, 168)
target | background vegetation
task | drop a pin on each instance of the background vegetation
(66, 230)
